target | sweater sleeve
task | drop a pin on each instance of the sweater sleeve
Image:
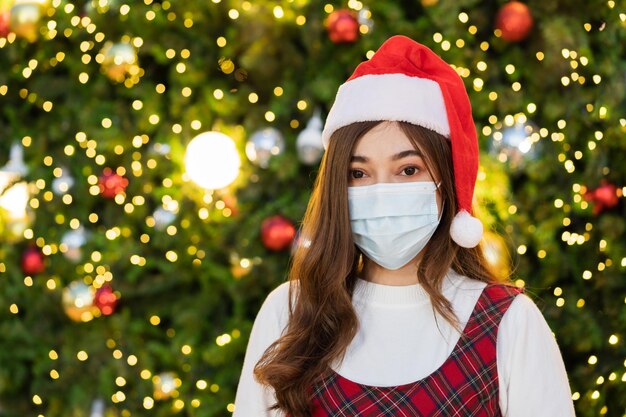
(252, 398)
(532, 376)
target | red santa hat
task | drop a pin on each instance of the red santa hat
(406, 81)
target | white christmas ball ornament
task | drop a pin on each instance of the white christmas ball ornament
(212, 160)
(263, 145)
(309, 143)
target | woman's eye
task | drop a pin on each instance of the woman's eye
(410, 171)
(355, 173)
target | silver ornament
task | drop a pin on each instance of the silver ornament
(163, 217)
(73, 241)
(25, 20)
(98, 6)
(62, 184)
(515, 144)
(14, 199)
(365, 18)
(97, 408)
(120, 60)
(309, 144)
(165, 385)
(78, 300)
(263, 145)
(162, 149)
(15, 165)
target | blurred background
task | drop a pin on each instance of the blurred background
(156, 159)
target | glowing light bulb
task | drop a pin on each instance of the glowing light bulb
(212, 160)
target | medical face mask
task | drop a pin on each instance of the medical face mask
(392, 222)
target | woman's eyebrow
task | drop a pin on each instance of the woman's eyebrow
(399, 155)
(404, 154)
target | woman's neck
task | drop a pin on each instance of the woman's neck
(407, 275)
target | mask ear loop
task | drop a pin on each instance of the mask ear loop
(443, 203)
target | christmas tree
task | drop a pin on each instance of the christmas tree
(157, 158)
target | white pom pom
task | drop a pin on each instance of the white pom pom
(466, 230)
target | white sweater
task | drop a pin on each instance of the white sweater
(399, 342)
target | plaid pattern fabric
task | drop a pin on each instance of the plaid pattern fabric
(465, 385)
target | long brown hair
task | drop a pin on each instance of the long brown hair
(323, 272)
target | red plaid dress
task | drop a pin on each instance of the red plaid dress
(465, 385)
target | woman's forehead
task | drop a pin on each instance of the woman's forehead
(384, 139)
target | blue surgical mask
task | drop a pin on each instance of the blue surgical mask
(392, 222)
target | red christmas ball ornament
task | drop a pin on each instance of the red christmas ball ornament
(277, 233)
(343, 26)
(111, 183)
(33, 261)
(5, 27)
(604, 197)
(105, 299)
(514, 21)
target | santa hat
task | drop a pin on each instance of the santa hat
(406, 81)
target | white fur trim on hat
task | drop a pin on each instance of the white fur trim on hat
(388, 97)
(466, 230)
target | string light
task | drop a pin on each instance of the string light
(477, 75)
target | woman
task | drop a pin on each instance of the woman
(391, 248)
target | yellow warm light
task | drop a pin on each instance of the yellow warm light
(212, 160)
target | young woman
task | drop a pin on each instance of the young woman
(390, 308)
